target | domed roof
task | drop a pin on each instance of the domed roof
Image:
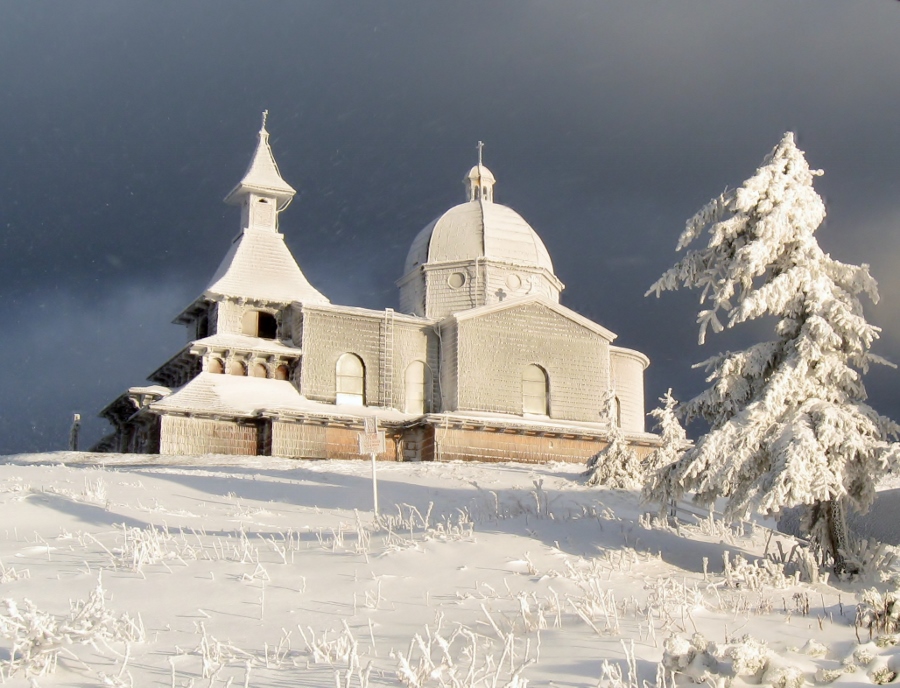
(479, 172)
(479, 229)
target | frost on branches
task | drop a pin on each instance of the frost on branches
(616, 465)
(788, 420)
(673, 444)
(673, 439)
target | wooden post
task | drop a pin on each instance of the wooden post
(73, 432)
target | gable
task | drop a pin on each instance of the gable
(534, 308)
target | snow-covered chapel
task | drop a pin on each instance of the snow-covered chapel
(480, 362)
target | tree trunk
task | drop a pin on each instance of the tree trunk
(827, 528)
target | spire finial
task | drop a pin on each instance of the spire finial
(265, 116)
(480, 148)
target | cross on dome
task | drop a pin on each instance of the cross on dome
(480, 180)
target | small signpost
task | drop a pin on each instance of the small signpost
(73, 432)
(371, 442)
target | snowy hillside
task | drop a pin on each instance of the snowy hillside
(218, 571)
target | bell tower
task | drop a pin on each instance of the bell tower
(262, 193)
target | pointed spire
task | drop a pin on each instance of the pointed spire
(262, 177)
(480, 181)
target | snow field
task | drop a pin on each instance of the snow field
(216, 571)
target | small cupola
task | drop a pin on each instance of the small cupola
(479, 182)
(261, 193)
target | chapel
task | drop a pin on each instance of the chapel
(480, 361)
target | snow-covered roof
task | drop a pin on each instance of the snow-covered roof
(642, 358)
(234, 395)
(532, 424)
(567, 313)
(479, 229)
(229, 394)
(243, 342)
(259, 265)
(367, 313)
(480, 173)
(262, 175)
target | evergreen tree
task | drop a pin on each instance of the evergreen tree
(789, 425)
(673, 444)
(616, 465)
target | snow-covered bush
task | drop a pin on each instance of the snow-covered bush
(39, 637)
(788, 420)
(780, 674)
(757, 575)
(878, 612)
(616, 465)
(749, 656)
(693, 658)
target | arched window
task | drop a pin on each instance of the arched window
(418, 388)
(259, 324)
(350, 382)
(237, 368)
(617, 408)
(216, 366)
(281, 372)
(258, 370)
(535, 388)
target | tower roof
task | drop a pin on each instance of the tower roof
(262, 176)
(260, 266)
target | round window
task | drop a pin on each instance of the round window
(513, 282)
(456, 280)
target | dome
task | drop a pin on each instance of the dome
(479, 172)
(479, 229)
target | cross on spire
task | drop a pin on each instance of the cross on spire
(480, 148)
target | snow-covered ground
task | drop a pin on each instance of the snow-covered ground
(219, 571)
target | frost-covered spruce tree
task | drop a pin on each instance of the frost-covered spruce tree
(788, 420)
(616, 465)
(673, 444)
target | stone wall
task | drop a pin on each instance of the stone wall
(495, 348)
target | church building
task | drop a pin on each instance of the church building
(480, 361)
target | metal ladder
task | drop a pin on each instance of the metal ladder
(386, 351)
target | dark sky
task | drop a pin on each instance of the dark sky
(607, 124)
